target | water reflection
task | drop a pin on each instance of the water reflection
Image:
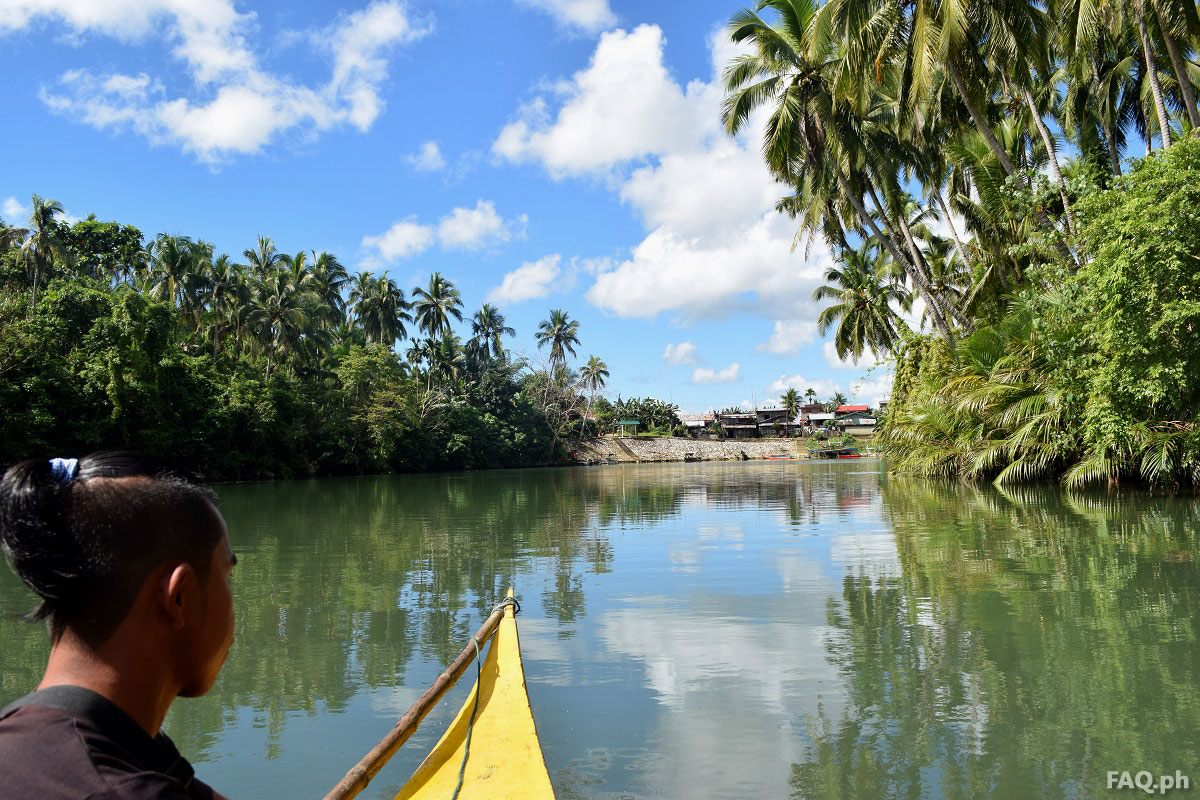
(1034, 642)
(708, 630)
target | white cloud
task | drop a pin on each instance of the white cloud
(623, 106)
(404, 239)
(529, 281)
(589, 16)
(868, 359)
(428, 158)
(873, 391)
(473, 228)
(703, 375)
(236, 106)
(13, 212)
(824, 387)
(461, 229)
(682, 353)
(714, 245)
(789, 336)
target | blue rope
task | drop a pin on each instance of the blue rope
(462, 768)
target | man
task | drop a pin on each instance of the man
(132, 564)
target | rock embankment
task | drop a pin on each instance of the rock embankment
(672, 449)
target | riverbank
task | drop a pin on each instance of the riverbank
(635, 450)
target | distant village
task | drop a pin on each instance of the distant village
(812, 420)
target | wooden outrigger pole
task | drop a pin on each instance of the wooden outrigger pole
(361, 773)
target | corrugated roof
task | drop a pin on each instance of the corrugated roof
(851, 409)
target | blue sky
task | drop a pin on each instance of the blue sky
(540, 153)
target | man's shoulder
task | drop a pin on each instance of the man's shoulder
(49, 753)
(43, 754)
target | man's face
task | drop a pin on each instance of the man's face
(214, 634)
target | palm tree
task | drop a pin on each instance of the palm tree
(276, 317)
(864, 312)
(380, 308)
(329, 278)
(224, 290)
(791, 403)
(594, 375)
(434, 305)
(814, 138)
(44, 245)
(176, 270)
(560, 332)
(488, 328)
(264, 259)
(810, 394)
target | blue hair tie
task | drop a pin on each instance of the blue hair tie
(64, 469)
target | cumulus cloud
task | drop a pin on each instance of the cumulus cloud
(873, 391)
(461, 229)
(703, 375)
(824, 387)
(789, 336)
(403, 240)
(13, 212)
(714, 245)
(588, 16)
(428, 158)
(236, 107)
(682, 353)
(866, 361)
(473, 228)
(529, 281)
(623, 106)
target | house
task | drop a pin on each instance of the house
(774, 421)
(697, 424)
(740, 425)
(840, 410)
(811, 408)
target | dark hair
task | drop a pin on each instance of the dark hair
(85, 544)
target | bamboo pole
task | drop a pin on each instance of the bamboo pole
(361, 773)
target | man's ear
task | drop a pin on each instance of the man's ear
(179, 593)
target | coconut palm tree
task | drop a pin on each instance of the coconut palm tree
(488, 326)
(264, 259)
(277, 318)
(865, 312)
(791, 404)
(44, 244)
(380, 308)
(560, 333)
(434, 305)
(594, 376)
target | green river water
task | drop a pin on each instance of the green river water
(758, 630)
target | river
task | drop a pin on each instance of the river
(758, 630)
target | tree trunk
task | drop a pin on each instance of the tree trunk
(1002, 156)
(1110, 136)
(1180, 67)
(919, 265)
(977, 117)
(938, 320)
(1160, 107)
(962, 250)
(1055, 172)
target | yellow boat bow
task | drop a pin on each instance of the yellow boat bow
(505, 758)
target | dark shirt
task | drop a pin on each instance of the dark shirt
(69, 743)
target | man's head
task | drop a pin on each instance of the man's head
(119, 533)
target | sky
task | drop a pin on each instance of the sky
(539, 153)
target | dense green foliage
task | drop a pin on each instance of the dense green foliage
(1094, 379)
(283, 365)
(921, 141)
